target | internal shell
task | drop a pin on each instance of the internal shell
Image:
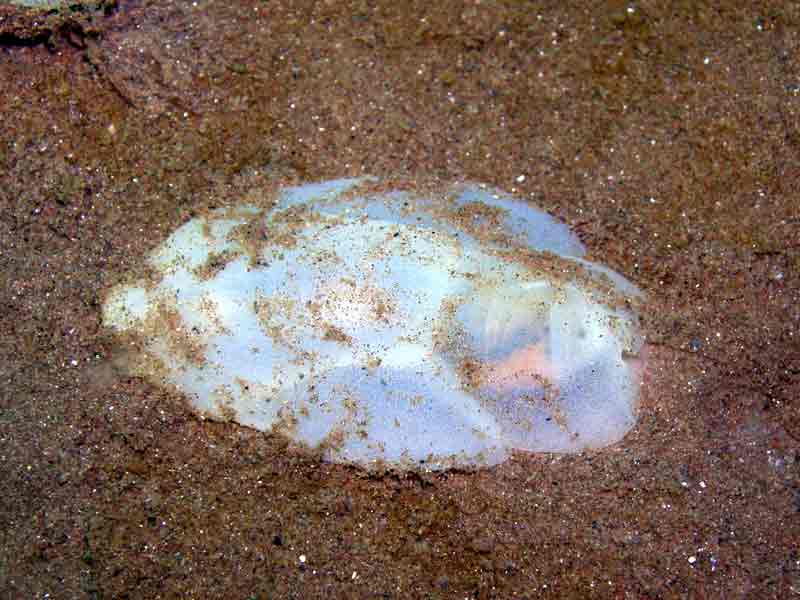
(405, 329)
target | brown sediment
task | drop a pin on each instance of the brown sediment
(479, 219)
(283, 306)
(472, 373)
(215, 263)
(334, 334)
(181, 341)
(667, 133)
(335, 439)
(251, 237)
(223, 404)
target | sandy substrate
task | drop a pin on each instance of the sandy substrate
(670, 138)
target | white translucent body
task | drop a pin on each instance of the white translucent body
(383, 333)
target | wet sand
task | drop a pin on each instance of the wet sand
(670, 138)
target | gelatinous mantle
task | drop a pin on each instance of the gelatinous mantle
(411, 330)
